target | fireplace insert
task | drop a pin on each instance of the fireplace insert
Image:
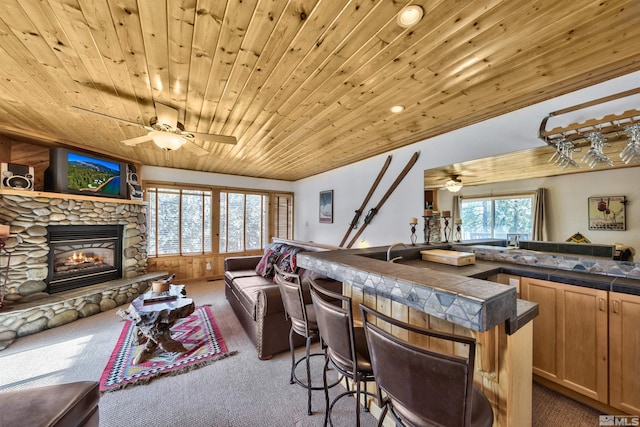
(82, 255)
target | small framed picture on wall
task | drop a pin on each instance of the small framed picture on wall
(607, 213)
(326, 206)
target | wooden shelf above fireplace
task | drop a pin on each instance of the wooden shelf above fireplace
(25, 193)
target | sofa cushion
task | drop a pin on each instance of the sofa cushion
(230, 275)
(247, 289)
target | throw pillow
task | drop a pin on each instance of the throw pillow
(269, 259)
(287, 260)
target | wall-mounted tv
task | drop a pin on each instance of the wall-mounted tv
(78, 173)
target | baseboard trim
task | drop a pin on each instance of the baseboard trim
(602, 407)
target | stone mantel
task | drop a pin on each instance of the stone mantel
(28, 214)
(79, 197)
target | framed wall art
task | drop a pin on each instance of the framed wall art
(607, 213)
(326, 206)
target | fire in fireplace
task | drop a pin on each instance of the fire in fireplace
(82, 255)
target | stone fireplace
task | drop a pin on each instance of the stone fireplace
(31, 304)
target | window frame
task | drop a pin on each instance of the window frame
(265, 207)
(180, 191)
(267, 230)
(493, 198)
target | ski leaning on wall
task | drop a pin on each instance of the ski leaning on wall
(373, 211)
(354, 222)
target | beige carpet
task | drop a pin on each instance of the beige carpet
(235, 392)
(553, 409)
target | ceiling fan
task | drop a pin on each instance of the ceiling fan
(168, 133)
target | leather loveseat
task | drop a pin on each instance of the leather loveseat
(61, 405)
(255, 297)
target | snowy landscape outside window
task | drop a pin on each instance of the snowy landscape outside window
(494, 217)
(243, 221)
(179, 221)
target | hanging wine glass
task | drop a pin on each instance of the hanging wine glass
(594, 155)
(632, 151)
(563, 155)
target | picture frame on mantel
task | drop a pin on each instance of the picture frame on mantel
(607, 213)
(326, 206)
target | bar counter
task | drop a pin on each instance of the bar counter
(449, 299)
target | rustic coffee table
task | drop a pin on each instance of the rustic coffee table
(153, 314)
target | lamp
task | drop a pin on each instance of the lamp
(167, 140)
(454, 185)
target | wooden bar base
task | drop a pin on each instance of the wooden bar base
(503, 362)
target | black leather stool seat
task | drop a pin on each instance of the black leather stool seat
(61, 405)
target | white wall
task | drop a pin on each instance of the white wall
(510, 132)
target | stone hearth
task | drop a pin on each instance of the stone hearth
(27, 308)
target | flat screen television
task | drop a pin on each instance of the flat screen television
(78, 173)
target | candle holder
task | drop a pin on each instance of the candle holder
(427, 229)
(446, 229)
(413, 234)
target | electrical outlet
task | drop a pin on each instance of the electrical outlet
(208, 266)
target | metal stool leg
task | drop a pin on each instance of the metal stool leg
(293, 357)
(309, 386)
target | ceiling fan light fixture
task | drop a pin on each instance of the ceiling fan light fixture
(410, 16)
(167, 140)
(453, 185)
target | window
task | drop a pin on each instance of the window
(494, 217)
(179, 221)
(243, 221)
(189, 221)
(283, 216)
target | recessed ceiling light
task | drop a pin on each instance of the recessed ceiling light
(410, 15)
(397, 109)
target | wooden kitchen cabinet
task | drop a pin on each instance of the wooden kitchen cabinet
(624, 351)
(570, 336)
(507, 279)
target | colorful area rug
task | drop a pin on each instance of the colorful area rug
(198, 333)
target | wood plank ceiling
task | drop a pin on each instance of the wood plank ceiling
(304, 85)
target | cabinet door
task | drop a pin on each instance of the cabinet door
(624, 351)
(583, 340)
(545, 331)
(570, 340)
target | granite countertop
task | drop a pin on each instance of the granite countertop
(407, 281)
(482, 269)
(467, 301)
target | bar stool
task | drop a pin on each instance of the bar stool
(346, 345)
(424, 387)
(303, 322)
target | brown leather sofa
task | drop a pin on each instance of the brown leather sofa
(257, 303)
(60, 405)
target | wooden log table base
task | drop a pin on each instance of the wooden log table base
(153, 322)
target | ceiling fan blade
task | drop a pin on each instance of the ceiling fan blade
(220, 139)
(110, 117)
(167, 115)
(194, 148)
(137, 140)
